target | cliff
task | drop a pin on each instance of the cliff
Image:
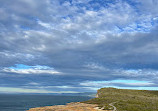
(112, 99)
(126, 99)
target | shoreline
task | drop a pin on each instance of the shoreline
(74, 106)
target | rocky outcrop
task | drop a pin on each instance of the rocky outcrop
(69, 107)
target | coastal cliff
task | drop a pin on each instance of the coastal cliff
(112, 99)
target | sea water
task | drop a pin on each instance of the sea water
(15, 102)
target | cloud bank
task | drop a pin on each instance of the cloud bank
(64, 45)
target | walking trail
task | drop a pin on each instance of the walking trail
(112, 104)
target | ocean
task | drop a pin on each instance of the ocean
(15, 102)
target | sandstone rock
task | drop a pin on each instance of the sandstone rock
(69, 107)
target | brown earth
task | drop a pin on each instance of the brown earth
(69, 107)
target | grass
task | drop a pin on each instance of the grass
(126, 100)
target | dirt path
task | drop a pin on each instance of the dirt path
(112, 104)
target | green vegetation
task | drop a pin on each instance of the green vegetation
(126, 100)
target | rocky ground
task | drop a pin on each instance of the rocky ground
(69, 107)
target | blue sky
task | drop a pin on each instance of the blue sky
(70, 46)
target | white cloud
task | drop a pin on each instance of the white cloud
(24, 90)
(33, 83)
(24, 69)
(94, 66)
(46, 25)
(136, 84)
(117, 83)
(30, 71)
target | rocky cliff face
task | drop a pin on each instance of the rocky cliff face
(69, 107)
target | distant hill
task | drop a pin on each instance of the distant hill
(126, 100)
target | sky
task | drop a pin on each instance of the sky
(71, 46)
